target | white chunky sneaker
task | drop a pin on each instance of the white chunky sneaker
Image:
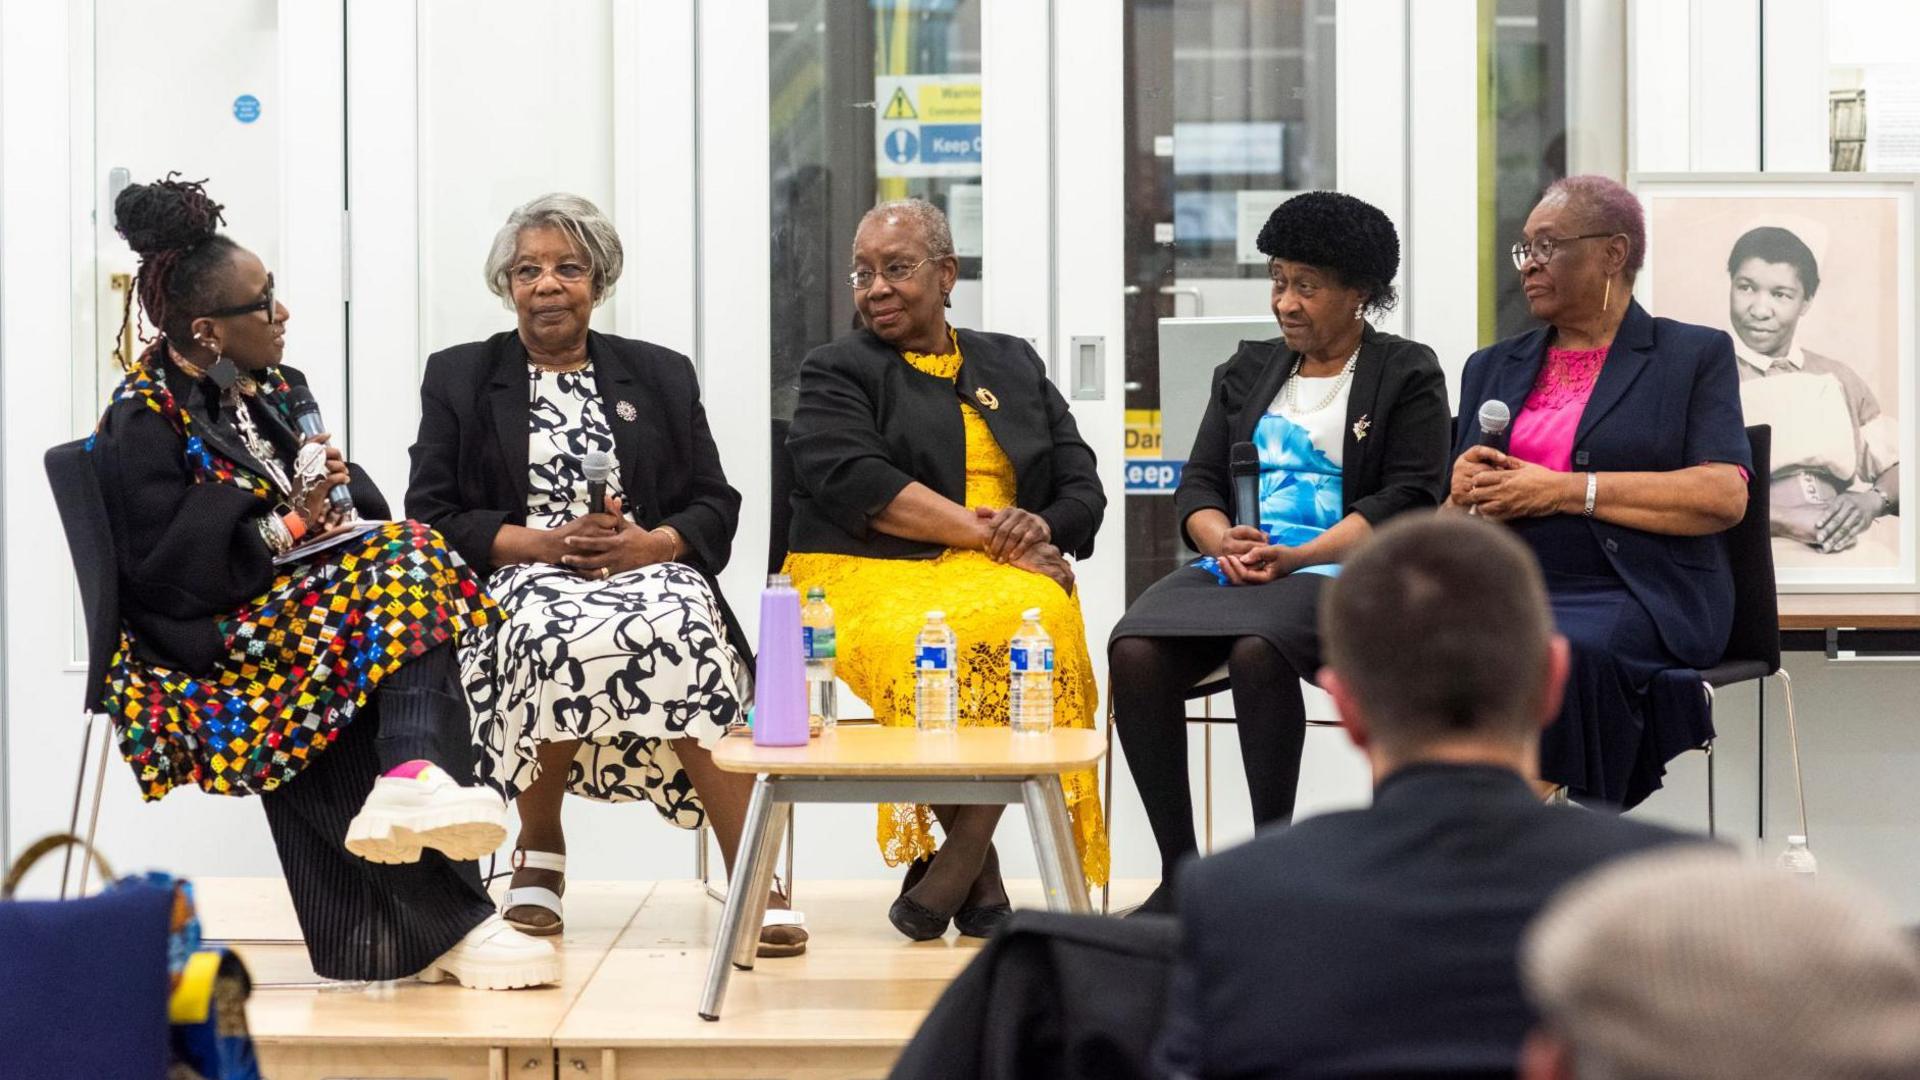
(495, 956)
(419, 806)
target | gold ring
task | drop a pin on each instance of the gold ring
(606, 572)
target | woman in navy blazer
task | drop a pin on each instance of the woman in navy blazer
(1626, 457)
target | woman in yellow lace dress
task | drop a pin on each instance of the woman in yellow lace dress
(939, 469)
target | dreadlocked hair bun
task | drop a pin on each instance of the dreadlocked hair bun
(166, 216)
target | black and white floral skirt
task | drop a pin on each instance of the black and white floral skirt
(625, 665)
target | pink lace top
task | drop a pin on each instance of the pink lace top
(1543, 432)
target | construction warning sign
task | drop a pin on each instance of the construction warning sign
(927, 125)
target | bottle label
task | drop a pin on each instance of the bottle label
(816, 642)
(934, 658)
(1025, 659)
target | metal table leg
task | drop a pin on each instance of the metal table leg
(1053, 843)
(740, 905)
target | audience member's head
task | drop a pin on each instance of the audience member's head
(1439, 644)
(1696, 964)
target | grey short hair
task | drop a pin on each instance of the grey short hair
(924, 215)
(590, 230)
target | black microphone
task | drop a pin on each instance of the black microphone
(1243, 465)
(1494, 418)
(306, 416)
(598, 465)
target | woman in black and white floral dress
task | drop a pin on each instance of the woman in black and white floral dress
(619, 665)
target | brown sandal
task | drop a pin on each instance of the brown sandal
(782, 933)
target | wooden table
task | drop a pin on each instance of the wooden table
(970, 766)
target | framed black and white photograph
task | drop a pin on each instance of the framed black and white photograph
(1813, 278)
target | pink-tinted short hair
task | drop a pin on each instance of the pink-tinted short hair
(1607, 206)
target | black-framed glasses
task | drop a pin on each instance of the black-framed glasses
(265, 303)
(1543, 248)
(862, 280)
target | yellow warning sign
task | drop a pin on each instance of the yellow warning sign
(900, 106)
(1143, 433)
(951, 102)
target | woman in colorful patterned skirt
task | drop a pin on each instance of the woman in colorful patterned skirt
(257, 658)
(939, 469)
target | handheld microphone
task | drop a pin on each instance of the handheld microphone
(305, 413)
(598, 465)
(1494, 418)
(1243, 465)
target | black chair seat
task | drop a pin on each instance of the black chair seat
(1209, 688)
(1735, 671)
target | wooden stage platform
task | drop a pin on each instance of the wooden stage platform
(635, 955)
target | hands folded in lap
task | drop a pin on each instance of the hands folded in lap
(1501, 487)
(1022, 538)
(604, 544)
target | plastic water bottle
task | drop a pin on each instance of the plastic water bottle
(817, 644)
(936, 697)
(1798, 859)
(780, 681)
(1030, 660)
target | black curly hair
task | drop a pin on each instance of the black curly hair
(1341, 234)
(184, 259)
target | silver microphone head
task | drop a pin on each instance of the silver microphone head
(1494, 416)
(598, 465)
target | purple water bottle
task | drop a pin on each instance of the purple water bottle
(780, 676)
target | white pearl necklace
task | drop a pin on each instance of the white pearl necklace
(1340, 384)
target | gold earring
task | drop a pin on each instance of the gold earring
(1606, 301)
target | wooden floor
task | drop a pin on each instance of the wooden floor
(635, 956)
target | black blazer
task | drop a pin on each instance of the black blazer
(469, 474)
(1379, 941)
(868, 424)
(189, 553)
(1668, 397)
(1399, 464)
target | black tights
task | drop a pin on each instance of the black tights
(1151, 677)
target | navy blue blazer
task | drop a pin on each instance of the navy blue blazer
(1378, 942)
(1667, 398)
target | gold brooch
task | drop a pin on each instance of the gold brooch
(1360, 427)
(627, 411)
(986, 398)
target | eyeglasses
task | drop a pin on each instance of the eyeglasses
(1542, 249)
(569, 272)
(265, 303)
(862, 280)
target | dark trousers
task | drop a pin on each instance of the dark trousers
(363, 920)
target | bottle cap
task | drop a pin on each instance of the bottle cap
(816, 593)
(779, 581)
(936, 616)
(1792, 840)
(1032, 614)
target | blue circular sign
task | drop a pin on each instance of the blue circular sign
(246, 108)
(902, 145)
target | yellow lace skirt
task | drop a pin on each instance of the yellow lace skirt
(879, 606)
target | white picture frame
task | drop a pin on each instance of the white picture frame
(1831, 368)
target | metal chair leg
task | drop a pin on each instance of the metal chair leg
(93, 817)
(1206, 776)
(1793, 742)
(703, 868)
(79, 789)
(1713, 829)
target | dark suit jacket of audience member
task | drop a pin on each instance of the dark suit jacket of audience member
(1667, 397)
(469, 473)
(1377, 941)
(190, 554)
(868, 424)
(1394, 455)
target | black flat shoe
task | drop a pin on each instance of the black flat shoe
(1159, 902)
(983, 921)
(915, 920)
